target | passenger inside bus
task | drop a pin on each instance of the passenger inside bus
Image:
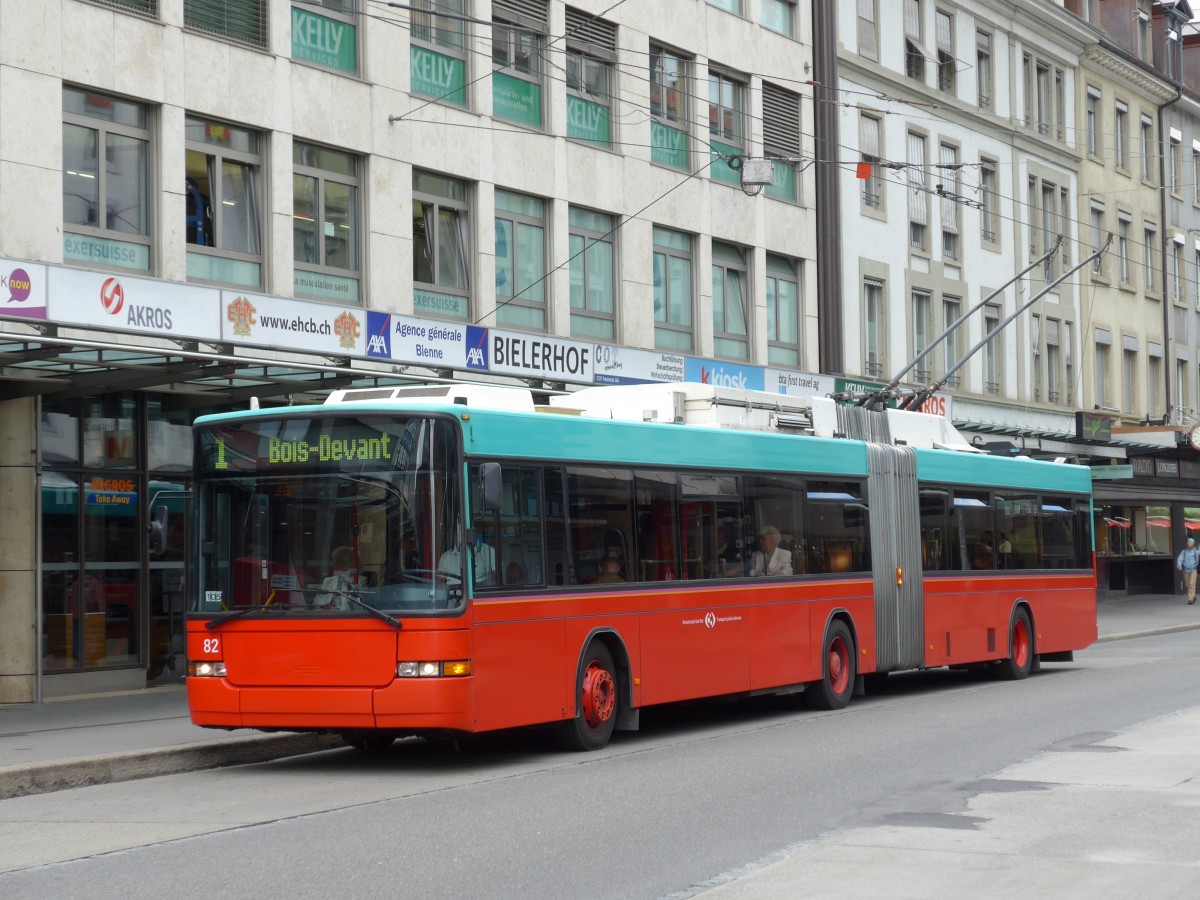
(610, 570)
(770, 559)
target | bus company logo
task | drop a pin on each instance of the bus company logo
(477, 344)
(241, 316)
(19, 285)
(347, 328)
(379, 335)
(112, 296)
(710, 620)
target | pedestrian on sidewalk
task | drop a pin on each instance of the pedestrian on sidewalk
(1187, 563)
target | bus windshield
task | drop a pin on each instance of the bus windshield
(304, 515)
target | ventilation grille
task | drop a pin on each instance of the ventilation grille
(530, 13)
(241, 21)
(583, 28)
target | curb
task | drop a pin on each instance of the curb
(84, 771)
(1148, 632)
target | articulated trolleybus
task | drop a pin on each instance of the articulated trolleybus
(450, 559)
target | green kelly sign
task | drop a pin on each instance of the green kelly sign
(516, 100)
(588, 121)
(325, 42)
(438, 76)
(668, 146)
(720, 167)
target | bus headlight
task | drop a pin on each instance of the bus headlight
(455, 668)
(206, 668)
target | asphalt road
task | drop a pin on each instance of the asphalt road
(702, 794)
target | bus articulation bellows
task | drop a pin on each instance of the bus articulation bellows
(453, 559)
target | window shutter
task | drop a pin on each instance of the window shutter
(950, 176)
(912, 19)
(244, 21)
(917, 203)
(583, 28)
(781, 120)
(530, 13)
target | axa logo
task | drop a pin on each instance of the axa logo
(379, 335)
(721, 378)
(477, 355)
(112, 296)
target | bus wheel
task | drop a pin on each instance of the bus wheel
(596, 698)
(836, 686)
(372, 743)
(1020, 647)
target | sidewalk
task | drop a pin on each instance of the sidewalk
(117, 737)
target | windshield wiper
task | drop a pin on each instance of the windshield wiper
(236, 614)
(377, 613)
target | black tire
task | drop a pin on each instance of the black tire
(838, 666)
(372, 743)
(597, 696)
(1020, 647)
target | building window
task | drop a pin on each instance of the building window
(1043, 109)
(224, 230)
(733, 6)
(1151, 233)
(1060, 104)
(1177, 271)
(441, 246)
(1093, 120)
(868, 30)
(1049, 226)
(1102, 376)
(1181, 384)
(98, 128)
(729, 287)
(920, 331)
(1128, 383)
(781, 140)
(947, 65)
(1175, 162)
(1153, 377)
(1196, 172)
(1097, 237)
(779, 16)
(593, 280)
(951, 184)
(783, 312)
(520, 261)
(991, 350)
(325, 223)
(870, 149)
(989, 214)
(438, 51)
(1121, 126)
(325, 33)
(914, 49)
(726, 123)
(590, 59)
(1068, 351)
(1053, 362)
(873, 312)
(147, 8)
(1145, 46)
(918, 196)
(669, 108)
(1123, 222)
(1147, 148)
(983, 69)
(242, 21)
(951, 310)
(1035, 333)
(518, 46)
(673, 293)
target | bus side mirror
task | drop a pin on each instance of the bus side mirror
(489, 485)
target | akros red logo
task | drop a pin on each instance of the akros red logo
(112, 296)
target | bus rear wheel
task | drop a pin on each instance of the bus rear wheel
(836, 686)
(596, 697)
(1020, 647)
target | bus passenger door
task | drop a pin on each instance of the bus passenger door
(896, 548)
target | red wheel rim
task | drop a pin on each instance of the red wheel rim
(599, 698)
(1020, 643)
(838, 665)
